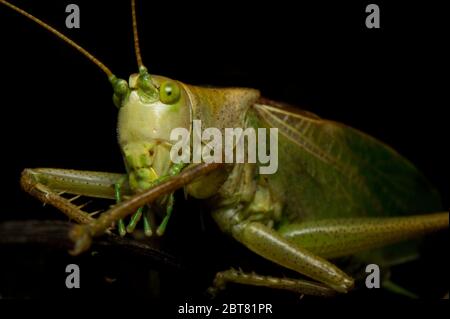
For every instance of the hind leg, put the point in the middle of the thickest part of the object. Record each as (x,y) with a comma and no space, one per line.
(334,238)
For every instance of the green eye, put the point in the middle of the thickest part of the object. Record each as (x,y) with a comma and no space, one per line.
(169,92)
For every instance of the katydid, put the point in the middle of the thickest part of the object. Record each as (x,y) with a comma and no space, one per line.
(337,191)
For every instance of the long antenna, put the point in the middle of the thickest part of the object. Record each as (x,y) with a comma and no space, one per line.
(62,37)
(137,49)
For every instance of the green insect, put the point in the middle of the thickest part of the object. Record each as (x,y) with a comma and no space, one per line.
(337,192)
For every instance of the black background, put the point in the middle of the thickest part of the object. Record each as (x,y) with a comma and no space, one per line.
(57,111)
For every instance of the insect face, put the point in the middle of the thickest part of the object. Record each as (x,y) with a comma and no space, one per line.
(150,108)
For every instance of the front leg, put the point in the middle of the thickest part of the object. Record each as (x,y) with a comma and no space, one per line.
(82,234)
(47,185)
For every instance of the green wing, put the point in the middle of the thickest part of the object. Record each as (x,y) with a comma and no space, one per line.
(329,170)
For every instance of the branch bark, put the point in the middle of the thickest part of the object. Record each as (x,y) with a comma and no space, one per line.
(53,234)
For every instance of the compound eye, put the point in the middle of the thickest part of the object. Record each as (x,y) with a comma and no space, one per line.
(169,92)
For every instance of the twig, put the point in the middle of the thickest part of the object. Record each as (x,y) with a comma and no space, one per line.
(54,234)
